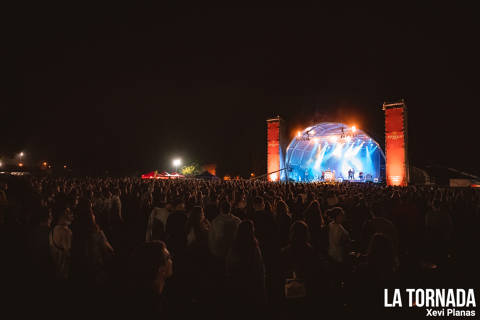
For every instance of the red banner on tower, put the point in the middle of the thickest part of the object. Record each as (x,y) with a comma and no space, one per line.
(396,144)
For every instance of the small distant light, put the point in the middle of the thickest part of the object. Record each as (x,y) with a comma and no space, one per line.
(20,164)
(65,167)
(44,164)
(21,154)
(299,134)
(354,128)
(252,174)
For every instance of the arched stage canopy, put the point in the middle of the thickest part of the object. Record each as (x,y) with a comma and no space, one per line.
(331,150)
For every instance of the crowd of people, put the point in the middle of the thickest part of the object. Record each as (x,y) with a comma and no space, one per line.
(126,246)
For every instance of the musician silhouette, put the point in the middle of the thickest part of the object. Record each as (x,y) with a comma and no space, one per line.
(350,174)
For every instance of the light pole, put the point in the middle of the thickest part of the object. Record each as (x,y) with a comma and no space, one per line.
(176,164)
(21,154)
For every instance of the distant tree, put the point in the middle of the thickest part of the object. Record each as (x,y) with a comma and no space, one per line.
(191,169)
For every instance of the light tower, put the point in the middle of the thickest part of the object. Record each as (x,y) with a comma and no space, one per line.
(275,148)
(396,143)
(176,164)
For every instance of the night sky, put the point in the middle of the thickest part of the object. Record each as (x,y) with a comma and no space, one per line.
(127,88)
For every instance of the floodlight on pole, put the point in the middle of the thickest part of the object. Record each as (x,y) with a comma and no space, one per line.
(177,163)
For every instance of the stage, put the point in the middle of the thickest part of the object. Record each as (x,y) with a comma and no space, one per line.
(333,152)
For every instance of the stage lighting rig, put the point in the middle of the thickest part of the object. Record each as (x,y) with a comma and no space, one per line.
(348,135)
(306,135)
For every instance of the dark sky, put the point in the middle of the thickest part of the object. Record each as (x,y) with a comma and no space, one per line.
(127,88)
